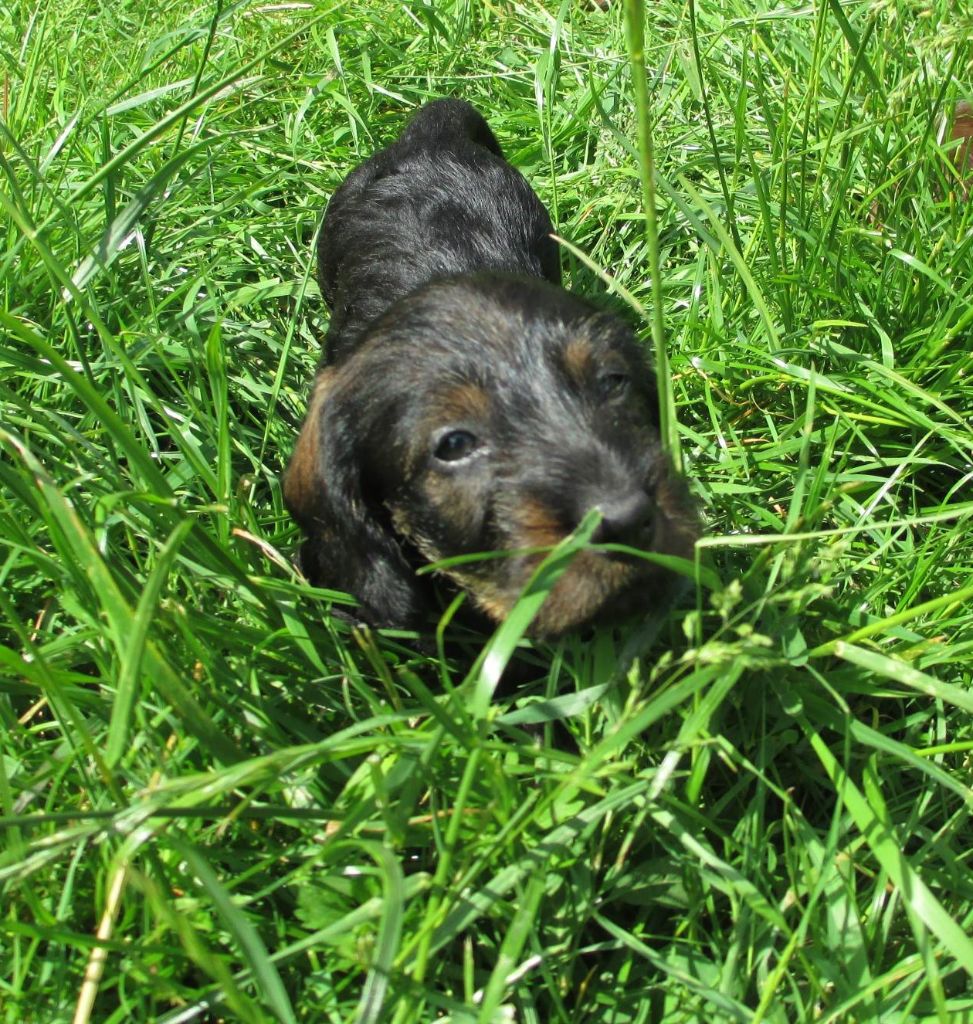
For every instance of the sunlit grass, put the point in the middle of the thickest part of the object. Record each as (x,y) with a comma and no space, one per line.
(220,801)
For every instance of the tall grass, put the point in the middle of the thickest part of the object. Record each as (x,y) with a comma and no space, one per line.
(222,802)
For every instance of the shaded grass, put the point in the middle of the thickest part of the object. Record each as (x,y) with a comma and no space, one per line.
(217,794)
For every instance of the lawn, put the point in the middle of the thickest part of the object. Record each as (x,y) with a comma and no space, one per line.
(220,801)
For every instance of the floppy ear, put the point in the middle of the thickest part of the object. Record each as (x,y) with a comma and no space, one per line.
(350,543)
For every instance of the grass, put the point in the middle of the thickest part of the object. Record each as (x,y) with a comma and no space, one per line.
(220,802)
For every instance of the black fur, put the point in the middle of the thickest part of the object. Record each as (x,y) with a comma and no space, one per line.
(440,200)
(449,329)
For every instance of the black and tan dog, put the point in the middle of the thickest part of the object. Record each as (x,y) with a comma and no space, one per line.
(467,403)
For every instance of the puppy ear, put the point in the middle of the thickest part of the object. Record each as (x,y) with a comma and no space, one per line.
(350,543)
(304,476)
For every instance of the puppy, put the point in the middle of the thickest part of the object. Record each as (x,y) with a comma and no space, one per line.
(467,403)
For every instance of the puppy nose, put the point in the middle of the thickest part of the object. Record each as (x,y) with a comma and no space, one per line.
(623,517)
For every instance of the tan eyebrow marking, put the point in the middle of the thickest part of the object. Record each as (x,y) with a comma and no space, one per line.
(578,359)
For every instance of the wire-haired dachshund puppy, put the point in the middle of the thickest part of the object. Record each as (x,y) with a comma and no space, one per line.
(467,403)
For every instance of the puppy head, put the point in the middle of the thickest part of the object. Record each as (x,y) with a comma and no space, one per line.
(487,413)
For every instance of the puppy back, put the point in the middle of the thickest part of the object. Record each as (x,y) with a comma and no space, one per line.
(448,122)
(440,200)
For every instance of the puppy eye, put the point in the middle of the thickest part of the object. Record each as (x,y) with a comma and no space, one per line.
(613,384)
(455,445)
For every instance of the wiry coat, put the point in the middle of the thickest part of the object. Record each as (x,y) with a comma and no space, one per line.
(466,403)
(440,200)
